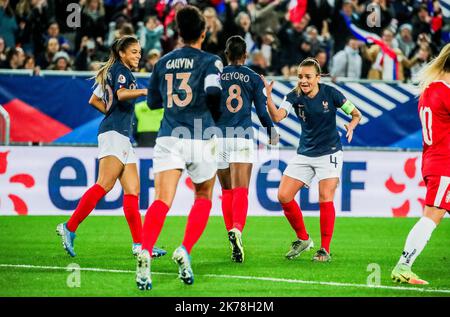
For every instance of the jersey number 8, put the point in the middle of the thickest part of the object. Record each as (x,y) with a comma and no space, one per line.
(173,98)
(234,92)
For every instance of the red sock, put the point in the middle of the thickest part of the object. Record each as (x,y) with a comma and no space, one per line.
(327,216)
(131,210)
(227,211)
(85,206)
(294,216)
(240,207)
(153,223)
(196,224)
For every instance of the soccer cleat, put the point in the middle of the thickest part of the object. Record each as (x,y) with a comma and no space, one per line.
(143,278)
(322,256)
(402,274)
(183,259)
(157,252)
(298,247)
(136,248)
(235,237)
(67,238)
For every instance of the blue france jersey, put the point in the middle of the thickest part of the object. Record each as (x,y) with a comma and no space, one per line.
(178,83)
(318,120)
(241,87)
(119,114)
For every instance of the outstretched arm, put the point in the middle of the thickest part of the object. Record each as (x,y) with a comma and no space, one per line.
(124,94)
(277,114)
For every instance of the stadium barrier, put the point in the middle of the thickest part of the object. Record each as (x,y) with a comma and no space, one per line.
(5,126)
(54,107)
(44,180)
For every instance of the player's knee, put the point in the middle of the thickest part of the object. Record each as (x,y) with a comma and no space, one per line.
(203,195)
(106,185)
(284,198)
(325,197)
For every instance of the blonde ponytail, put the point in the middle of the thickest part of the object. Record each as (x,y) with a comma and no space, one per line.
(102,73)
(435,68)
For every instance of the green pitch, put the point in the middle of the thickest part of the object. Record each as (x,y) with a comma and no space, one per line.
(104,244)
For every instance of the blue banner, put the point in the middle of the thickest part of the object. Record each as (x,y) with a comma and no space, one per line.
(56,108)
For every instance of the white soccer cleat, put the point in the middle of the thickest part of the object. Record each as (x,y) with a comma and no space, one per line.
(143,277)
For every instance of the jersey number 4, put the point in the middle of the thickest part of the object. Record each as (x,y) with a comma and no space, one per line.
(173,98)
(426,119)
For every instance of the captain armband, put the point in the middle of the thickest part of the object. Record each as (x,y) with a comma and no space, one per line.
(348,107)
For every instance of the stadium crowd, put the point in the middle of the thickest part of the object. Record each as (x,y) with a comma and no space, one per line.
(34,34)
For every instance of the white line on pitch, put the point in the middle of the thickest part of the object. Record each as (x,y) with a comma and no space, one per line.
(255,278)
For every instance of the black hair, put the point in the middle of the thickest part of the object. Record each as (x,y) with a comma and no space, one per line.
(235,48)
(191,23)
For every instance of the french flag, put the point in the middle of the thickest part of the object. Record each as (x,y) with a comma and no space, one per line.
(388,62)
(297,9)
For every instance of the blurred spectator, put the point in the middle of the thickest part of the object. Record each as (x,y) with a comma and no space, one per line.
(8,24)
(30,63)
(403,11)
(15,58)
(142,9)
(319,11)
(53,31)
(322,58)
(90,51)
(291,38)
(317,41)
(347,63)
(119,29)
(258,63)
(2,50)
(418,61)
(152,58)
(382,63)
(61,61)
(36,23)
(214,42)
(265,14)
(269,48)
(243,23)
(45,59)
(421,22)
(93,23)
(338,27)
(150,35)
(405,40)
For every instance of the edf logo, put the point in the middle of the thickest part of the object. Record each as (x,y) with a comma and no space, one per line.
(56,182)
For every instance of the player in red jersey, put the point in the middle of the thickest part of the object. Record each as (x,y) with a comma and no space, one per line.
(434,112)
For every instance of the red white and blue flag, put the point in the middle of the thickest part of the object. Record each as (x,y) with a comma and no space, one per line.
(387,62)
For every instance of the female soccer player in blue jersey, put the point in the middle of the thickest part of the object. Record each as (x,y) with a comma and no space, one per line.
(241,87)
(319,152)
(186,82)
(115,94)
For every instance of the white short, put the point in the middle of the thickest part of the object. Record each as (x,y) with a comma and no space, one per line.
(234,150)
(196,156)
(304,168)
(115,144)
